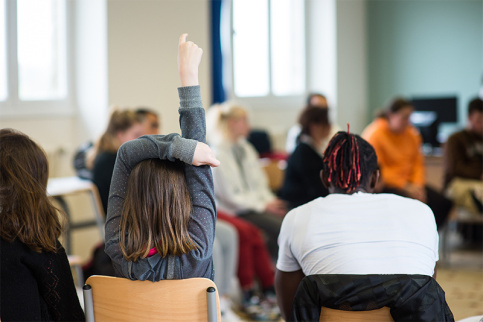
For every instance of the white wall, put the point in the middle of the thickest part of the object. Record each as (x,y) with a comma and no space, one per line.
(351,65)
(91,68)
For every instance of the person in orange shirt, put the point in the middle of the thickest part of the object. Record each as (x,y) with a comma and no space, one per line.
(398,147)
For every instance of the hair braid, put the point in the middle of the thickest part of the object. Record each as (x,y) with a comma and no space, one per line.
(348,161)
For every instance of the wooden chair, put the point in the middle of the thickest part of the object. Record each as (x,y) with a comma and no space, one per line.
(380,315)
(120,299)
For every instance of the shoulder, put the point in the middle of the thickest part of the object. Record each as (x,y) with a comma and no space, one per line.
(373,130)
(408,208)
(413,132)
(104,158)
(456,138)
(302,148)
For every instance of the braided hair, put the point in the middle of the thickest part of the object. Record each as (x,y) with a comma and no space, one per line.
(349,161)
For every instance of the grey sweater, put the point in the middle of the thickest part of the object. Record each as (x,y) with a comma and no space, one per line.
(201,227)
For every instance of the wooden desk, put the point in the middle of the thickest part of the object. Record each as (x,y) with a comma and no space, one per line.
(59,188)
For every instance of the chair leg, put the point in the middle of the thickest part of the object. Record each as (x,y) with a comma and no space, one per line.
(212,309)
(88,304)
(444,242)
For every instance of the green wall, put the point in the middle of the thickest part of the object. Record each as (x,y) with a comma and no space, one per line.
(424,48)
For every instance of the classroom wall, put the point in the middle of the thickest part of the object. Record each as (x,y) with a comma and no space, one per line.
(142,49)
(351,75)
(424,48)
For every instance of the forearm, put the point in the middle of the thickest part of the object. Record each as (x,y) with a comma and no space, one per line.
(199,179)
(286,284)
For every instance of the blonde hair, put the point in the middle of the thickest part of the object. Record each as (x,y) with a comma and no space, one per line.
(119,121)
(217,120)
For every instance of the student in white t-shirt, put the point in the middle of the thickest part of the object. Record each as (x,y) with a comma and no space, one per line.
(352,230)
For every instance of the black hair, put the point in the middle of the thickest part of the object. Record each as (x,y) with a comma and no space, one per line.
(313,115)
(349,161)
(475,105)
(394,106)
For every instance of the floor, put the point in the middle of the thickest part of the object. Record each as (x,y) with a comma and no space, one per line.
(462,279)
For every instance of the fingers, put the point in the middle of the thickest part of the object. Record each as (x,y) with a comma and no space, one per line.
(182,38)
(215,162)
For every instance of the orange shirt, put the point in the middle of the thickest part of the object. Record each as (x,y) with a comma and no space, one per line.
(398,154)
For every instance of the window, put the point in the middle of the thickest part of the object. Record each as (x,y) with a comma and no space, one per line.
(268,47)
(33,54)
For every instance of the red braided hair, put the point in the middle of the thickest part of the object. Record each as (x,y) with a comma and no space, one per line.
(343,161)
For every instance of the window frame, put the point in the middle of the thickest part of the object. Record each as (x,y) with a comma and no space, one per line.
(13,106)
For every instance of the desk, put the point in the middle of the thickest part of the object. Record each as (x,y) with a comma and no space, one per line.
(58,188)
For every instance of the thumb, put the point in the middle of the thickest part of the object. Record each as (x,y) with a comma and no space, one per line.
(214,162)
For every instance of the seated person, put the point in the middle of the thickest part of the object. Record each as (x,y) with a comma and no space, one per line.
(241,186)
(401,161)
(352,230)
(35,276)
(301,182)
(123,126)
(463,162)
(314,99)
(161,215)
(148,119)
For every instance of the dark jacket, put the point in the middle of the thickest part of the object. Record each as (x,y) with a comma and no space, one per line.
(410,297)
(302,182)
(36,286)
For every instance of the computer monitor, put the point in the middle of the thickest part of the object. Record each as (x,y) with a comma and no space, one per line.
(429,113)
(445,107)
(427,122)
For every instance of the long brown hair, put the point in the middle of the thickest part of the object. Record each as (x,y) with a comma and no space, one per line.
(156,211)
(26,212)
(119,121)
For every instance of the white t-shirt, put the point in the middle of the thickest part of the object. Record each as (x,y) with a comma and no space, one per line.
(361,233)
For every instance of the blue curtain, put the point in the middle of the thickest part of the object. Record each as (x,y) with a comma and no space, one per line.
(218,93)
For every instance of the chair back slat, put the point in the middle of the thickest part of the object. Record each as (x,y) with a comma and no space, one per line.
(120,299)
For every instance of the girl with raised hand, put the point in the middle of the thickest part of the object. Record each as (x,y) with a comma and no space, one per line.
(36,280)
(161,213)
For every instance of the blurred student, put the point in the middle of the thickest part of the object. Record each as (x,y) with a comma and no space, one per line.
(241,186)
(463,161)
(352,230)
(314,99)
(161,215)
(255,269)
(149,119)
(301,181)
(123,126)
(36,279)
(398,145)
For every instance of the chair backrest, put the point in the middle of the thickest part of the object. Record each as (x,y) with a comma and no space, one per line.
(380,315)
(121,299)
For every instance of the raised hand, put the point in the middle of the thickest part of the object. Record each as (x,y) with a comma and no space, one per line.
(189,58)
(204,155)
